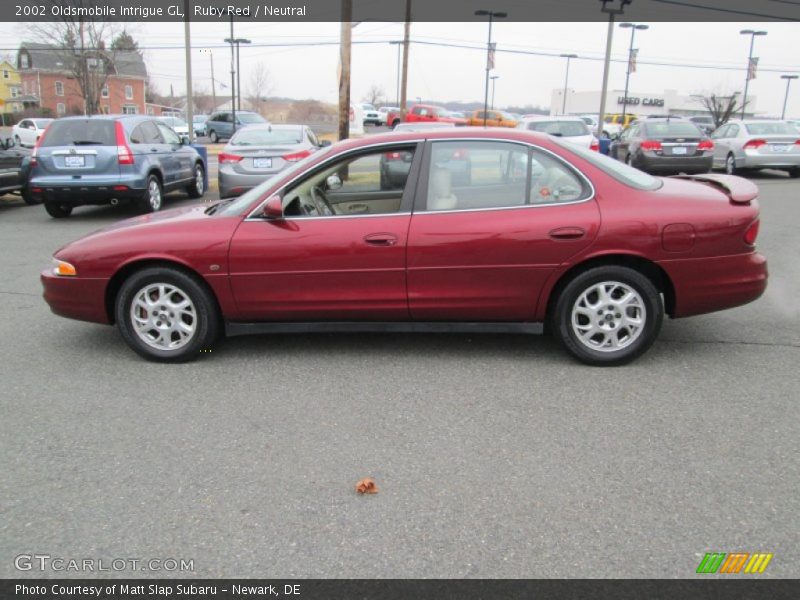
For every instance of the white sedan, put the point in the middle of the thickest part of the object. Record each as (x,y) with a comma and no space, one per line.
(570,129)
(28,131)
(178,125)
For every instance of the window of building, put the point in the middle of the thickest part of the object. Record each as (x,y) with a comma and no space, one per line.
(15,92)
(6,74)
(61,109)
(130,109)
(24,61)
(128,92)
(104,91)
(59,88)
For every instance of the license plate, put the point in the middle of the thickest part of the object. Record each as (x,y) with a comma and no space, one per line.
(74,161)
(780,147)
(679,150)
(262,163)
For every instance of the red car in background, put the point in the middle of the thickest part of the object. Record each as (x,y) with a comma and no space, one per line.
(425,113)
(542,231)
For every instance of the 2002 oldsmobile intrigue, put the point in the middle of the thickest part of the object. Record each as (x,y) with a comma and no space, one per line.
(476,229)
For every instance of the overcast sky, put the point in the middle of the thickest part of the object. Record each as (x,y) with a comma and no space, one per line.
(457,74)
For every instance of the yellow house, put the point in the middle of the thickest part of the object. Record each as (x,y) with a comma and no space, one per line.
(10,88)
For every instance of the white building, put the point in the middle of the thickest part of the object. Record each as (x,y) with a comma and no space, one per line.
(668,102)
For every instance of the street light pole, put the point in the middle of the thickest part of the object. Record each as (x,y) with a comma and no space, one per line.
(788,79)
(238,41)
(494,79)
(566,82)
(752,35)
(633,27)
(611,11)
(233,78)
(492,15)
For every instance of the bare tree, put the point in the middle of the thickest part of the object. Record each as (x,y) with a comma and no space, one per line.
(375,95)
(720,106)
(261,85)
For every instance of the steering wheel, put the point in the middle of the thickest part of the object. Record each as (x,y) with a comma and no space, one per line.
(323,206)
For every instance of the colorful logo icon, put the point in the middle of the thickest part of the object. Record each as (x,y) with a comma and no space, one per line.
(732,563)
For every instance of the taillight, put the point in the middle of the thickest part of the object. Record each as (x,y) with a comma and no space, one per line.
(295,156)
(752,233)
(225,158)
(797,142)
(705,145)
(35,153)
(653,145)
(595,145)
(124,154)
(753,144)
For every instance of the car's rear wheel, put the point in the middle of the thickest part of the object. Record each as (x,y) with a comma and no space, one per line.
(27,196)
(608,315)
(166,315)
(794,173)
(153,196)
(212,135)
(198,187)
(58,210)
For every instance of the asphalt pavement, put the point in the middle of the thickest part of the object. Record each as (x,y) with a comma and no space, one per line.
(495,455)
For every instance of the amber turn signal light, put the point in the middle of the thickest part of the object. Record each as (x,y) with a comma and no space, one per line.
(63,269)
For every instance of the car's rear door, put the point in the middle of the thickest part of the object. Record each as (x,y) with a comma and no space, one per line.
(482,249)
(312,265)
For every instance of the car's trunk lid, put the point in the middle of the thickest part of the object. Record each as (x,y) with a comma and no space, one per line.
(738,189)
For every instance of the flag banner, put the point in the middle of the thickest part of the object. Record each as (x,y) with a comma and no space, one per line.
(490,56)
(752,68)
(632,60)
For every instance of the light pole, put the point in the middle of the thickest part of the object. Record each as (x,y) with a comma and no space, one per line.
(233,78)
(492,16)
(566,82)
(633,27)
(752,33)
(238,41)
(788,79)
(213,81)
(611,8)
(494,79)
(399,45)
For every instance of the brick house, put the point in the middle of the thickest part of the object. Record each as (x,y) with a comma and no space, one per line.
(46,76)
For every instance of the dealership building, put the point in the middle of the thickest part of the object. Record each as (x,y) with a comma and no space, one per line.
(668,102)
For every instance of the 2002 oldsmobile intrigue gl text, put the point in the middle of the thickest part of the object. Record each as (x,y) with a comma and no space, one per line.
(475,229)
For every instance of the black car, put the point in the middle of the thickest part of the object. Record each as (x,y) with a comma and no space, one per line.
(15,170)
(664,146)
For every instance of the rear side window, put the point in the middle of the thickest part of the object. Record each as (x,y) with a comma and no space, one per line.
(560,128)
(672,129)
(81,132)
(614,168)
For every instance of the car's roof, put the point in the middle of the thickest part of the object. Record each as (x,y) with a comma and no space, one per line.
(456,133)
(552,118)
(271,126)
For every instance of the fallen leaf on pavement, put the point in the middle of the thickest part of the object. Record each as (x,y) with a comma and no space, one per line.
(367,486)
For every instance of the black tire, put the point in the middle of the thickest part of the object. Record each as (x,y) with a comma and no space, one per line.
(27,197)
(17,141)
(204,317)
(395,123)
(198,187)
(58,211)
(794,173)
(634,342)
(153,196)
(212,135)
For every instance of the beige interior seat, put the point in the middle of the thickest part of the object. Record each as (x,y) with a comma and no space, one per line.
(440,196)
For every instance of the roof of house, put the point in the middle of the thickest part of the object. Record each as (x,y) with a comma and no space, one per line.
(51,57)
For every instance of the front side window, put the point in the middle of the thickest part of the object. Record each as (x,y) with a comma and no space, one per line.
(361,184)
(170,137)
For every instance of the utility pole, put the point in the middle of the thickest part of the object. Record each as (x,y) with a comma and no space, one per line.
(189,96)
(213,81)
(406,36)
(233,80)
(346,39)
(611,11)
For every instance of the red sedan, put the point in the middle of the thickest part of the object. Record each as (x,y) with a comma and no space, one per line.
(537,232)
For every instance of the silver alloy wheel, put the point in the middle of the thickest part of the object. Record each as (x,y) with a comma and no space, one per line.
(163,316)
(608,316)
(198,180)
(730,164)
(154,192)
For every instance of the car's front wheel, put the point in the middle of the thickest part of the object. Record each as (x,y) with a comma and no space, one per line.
(166,315)
(198,186)
(608,315)
(57,210)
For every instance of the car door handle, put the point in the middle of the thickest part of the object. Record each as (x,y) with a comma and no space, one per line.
(567,233)
(153,149)
(380,239)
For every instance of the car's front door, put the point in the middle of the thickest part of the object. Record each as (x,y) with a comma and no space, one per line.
(339,252)
(482,248)
(176,167)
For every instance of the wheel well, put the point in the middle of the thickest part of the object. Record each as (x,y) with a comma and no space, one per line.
(157,173)
(649,269)
(115,284)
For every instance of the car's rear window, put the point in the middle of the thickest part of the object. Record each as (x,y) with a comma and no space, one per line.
(770,128)
(80,132)
(560,128)
(671,129)
(267,137)
(250,118)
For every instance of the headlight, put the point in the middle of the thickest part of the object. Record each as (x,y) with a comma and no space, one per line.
(63,268)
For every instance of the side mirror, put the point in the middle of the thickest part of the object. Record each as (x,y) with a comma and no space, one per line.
(333,182)
(324,143)
(184,140)
(273,209)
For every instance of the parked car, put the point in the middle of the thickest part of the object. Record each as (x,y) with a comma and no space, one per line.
(28,131)
(220,124)
(427,113)
(406,127)
(15,170)
(703,122)
(371,114)
(614,124)
(258,152)
(384,111)
(178,125)
(104,159)
(664,146)
(545,231)
(571,129)
(592,122)
(750,145)
(494,118)
(199,122)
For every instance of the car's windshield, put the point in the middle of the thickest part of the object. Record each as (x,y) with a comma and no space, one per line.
(42,123)
(250,118)
(769,128)
(244,201)
(560,128)
(616,169)
(267,136)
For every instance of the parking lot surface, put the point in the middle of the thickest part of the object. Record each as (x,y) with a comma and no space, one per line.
(494,455)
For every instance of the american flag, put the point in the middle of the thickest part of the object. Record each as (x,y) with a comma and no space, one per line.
(490,56)
(752,67)
(632,60)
